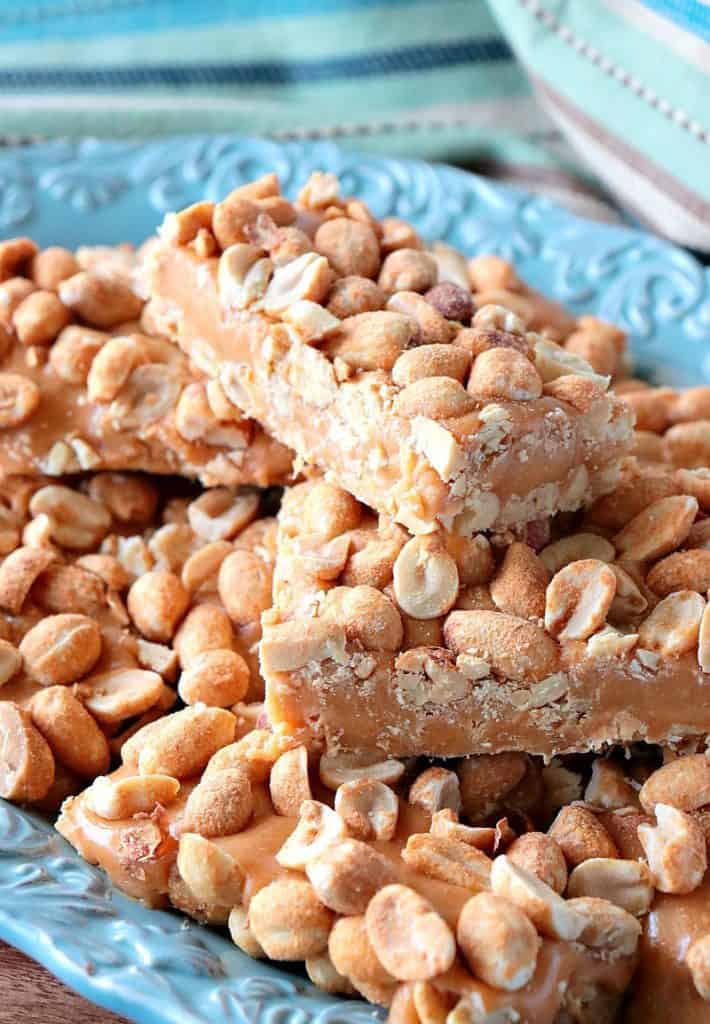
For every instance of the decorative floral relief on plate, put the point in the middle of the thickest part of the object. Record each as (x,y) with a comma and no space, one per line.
(157,967)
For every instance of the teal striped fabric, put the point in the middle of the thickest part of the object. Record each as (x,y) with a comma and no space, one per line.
(551,93)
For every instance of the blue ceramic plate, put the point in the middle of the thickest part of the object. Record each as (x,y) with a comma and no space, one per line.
(155,967)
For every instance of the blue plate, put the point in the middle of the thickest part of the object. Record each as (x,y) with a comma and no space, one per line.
(156,967)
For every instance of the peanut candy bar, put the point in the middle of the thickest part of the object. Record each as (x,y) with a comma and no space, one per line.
(412,891)
(444,645)
(87,382)
(114,601)
(399,371)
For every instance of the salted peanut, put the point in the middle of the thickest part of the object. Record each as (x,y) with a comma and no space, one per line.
(243,275)
(473,557)
(218,678)
(435,789)
(352,248)
(450,299)
(322,972)
(106,568)
(241,934)
(426,579)
(683,570)
(366,615)
(683,783)
(553,361)
(608,786)
(408,270)
(12,293)
(398,234)
(498,941)
(437,398)
(26,762)
(19,397)
(289,785)
(18,573)
(311,321)
(117,799)
(347,874)
(575,548)
(202,567)
(112,365)
(15,255)
(578,599)
(673,627)
(486,779)
(318,827)
(626,883)
(431,360)
(288,920)
(704,641)
(631,497)
(352,295)
(157,658)
(156,603)
(39,318)
(185,741)
(545,908)
(503,373)
(372,341)
(541,856)
(210,873)
(120,693)
(657,530)
(448,860)
(410,939)
(306,277)
(220,805)
(320,191)
(244,585)
(688,444)
(258,750)
(518,649)
(329,511)
(352,954)
(652,407)
(219,513)
(445,824)
(101,301)
(10,661)
(182,227)
(580,835)
(335,769)
(77,522)
(61,649)
(69,588)
(698,960)
(372,565)
(71,732)
(628,601)
(608,928)
(675,850)
(519,585)
(206,627)
(597,349)
(369,808)
(492,272)
(434,329)
(232,217)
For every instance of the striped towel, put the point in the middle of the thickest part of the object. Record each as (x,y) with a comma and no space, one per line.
(554,95)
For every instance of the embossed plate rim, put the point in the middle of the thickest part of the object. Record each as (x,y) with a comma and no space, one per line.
(69,192)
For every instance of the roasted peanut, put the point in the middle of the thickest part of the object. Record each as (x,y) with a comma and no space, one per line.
(26,761)
(541,856)
(156,603)
(498,941)
(185,741)
(698,960)
(626,883)
(337,769)
(242,935)
(210,873)
(352,248)
(366,615)
(369,808)
(434,790)
(102,302)
(289,921)
(220,805)
(580,835)
(318,827)
(410,270)
(426,579)
(71,732)
(244,585)
(117,799)
(352,954)
(545,908)
(675,850)
(19,397)
(61,649)
(448,860)
(372,341)
(289,785)
(206,627)
(608,928)
(218,678)
(346,875)
(433,328)
(683,783)
(77,522)
(410,939)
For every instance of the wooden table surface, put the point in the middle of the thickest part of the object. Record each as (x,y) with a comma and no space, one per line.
(28,993)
